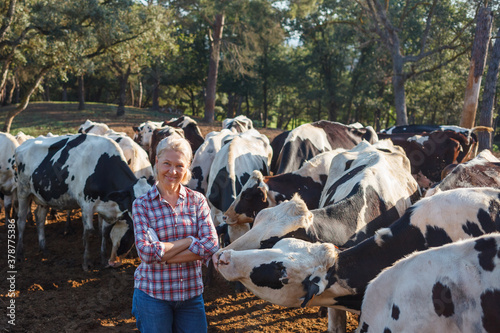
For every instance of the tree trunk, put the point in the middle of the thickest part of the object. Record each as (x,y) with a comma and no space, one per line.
(490,86)
(65,92)
(123,79)
(156,95)
(398,85)
(8,101)
(132,96)
(81,93)
(139,99)
(25,101)
(478,59)
(213,68)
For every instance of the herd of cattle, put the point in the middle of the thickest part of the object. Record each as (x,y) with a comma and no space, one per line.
(326,214)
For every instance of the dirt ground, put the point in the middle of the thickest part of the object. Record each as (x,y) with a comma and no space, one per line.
(54,294)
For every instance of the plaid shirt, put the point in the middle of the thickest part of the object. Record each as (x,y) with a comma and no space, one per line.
(190,217)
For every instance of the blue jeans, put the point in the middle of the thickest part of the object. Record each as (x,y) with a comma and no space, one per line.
(154,315)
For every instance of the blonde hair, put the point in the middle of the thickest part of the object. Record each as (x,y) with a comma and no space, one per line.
(180,145)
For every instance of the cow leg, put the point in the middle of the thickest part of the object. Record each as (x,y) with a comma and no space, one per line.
(105,230)
(7,205)
(41,216)
(88,230)
(21,225)
(337,320)
(68,229)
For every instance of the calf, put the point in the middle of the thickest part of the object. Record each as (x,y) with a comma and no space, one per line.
(482,171)
(192,132)
(239,124)
(309,140)
(232,167)
(8,145)
(453,288)
(262,191)
(339,279)
(204,157)
(78,171)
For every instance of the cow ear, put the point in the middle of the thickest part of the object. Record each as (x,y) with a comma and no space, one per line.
(136,129)
(264,193)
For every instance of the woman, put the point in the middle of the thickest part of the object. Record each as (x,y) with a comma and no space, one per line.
(174,233)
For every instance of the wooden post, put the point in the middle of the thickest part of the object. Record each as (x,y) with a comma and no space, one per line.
(478,59)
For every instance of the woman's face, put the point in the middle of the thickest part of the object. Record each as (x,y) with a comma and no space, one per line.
(172,166)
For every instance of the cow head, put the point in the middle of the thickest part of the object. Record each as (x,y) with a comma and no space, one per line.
(283,275)
(144,132)
(122,231)
(252,199)
(288,219)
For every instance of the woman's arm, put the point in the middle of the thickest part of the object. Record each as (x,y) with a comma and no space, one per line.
(184,256)
(173,249)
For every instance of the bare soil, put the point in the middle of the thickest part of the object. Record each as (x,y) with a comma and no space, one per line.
(54,294)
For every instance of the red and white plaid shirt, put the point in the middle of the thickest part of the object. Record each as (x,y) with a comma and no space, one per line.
(190,217)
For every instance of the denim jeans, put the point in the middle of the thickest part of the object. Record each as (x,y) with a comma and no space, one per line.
(154,315)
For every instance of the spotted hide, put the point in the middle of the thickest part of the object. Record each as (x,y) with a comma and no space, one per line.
(341,282)
(90,126)
(309,140)
(239,124)
(204,157)
(481,171)
(262,191)
(144,132)
(192,132)
(8,145)
(232,167)
(452,288)
(373,189)
(78,171)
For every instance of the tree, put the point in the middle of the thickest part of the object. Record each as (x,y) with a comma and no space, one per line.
(433,48)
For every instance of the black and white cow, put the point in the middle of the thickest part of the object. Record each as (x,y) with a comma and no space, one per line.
(91,127)
(452,288)
(21,137)
(338,279)
(239,124)
(233,165)
(160,134)
(78,171)
(192,132)
(8,145)
(204,157)
(481,171)
(262,191)
(309,140)
(367,188)
(144,132)
(277,144)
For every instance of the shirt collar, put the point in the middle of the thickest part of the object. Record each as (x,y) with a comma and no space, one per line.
(154,193)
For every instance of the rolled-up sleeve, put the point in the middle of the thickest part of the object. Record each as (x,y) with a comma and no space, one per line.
(207,242)
(149,250)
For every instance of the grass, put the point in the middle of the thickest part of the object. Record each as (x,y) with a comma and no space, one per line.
(64,117)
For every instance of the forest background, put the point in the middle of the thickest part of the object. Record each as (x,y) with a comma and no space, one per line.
(281,63)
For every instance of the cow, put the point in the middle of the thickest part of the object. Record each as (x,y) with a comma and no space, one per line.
(237,125)
(339,279)
(92,127)
(160,134)
(309,140)
(21,137)
(78,171)
(368,187)
(137,159)
(233,165)
(425,128)
(430,153)
(8,145)
(277,144)
(204,157)
(481,171)
(262,191)
(192,132)
(452,288)
(143,133)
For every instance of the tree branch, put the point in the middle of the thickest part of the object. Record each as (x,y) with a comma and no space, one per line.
(8,19)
